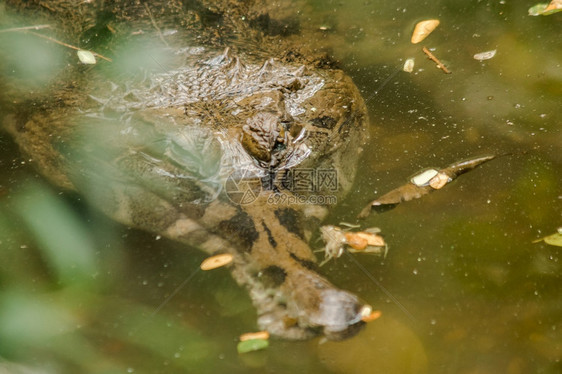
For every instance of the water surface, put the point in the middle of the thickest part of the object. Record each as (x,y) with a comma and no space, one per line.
(471,292)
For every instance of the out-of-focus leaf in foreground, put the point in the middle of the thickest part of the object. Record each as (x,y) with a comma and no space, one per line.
(64,241)
(58,307)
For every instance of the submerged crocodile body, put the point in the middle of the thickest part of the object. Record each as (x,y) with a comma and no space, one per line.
(210,144)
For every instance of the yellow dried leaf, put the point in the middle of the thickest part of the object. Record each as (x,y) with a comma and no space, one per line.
(423,29)
(217,261)
(262,335)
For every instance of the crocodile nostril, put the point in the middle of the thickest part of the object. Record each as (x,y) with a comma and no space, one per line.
(340,314)
(365,311)
(316,304)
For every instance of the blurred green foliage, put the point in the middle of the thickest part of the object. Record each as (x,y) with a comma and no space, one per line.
(54,310)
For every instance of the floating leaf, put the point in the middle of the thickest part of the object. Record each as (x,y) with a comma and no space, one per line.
(485,55)
(423,183)
(367,241)
(423,29)
(544,9)
(554,239)
(217,261)
(554,5)
(86,57)
(252,345)
(537,9)
(263,335)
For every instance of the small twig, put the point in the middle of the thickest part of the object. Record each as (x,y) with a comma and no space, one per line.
(155,25)
(64,44)
(37,27)
(52,40)
(436,60)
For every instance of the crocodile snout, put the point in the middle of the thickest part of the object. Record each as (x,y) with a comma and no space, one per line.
(307,305)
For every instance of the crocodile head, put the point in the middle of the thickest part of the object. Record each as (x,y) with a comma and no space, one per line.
(158,151)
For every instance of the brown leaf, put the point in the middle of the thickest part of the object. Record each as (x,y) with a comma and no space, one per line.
(411,191)
(389,200)
(461,167)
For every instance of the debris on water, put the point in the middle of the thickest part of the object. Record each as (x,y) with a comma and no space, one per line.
(432,57)
(34,27)
(216,261)
(86,57)
(409,65)
(485,55)
(423,29)
(554,239)
(252,345)
(423,178)
(362,241)
(264,335)
(350,225)
(336,239)
(356,242)
(335,242)
(544,9)
(423,183)
(439,181)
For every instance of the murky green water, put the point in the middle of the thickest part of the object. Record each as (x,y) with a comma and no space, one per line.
(479,296)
